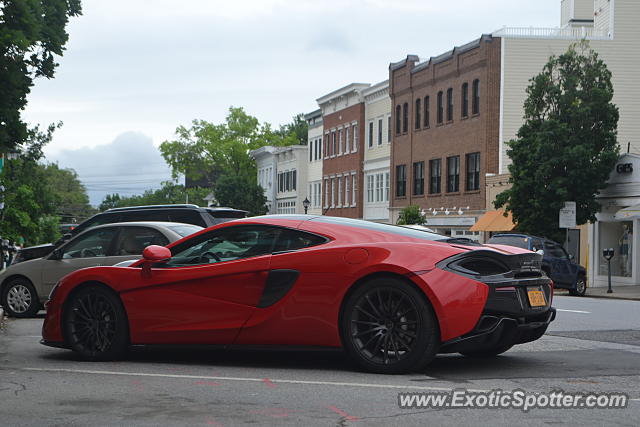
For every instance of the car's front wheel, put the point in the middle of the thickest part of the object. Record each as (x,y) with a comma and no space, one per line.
(388,327)
(581,287)
(19,298)
(95,324)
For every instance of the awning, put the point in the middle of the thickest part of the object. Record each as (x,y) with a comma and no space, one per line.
(494,221)
(627,214)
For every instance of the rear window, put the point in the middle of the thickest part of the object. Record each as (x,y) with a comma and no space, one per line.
(187,216)
(184,230)
(517,241)
(385,228)
(231,213)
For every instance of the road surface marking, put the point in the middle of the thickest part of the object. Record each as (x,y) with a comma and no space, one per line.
(275,381)
(573,311)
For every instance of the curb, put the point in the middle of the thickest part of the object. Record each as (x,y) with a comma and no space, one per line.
(601,296)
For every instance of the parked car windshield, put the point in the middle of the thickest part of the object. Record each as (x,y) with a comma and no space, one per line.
(517,241)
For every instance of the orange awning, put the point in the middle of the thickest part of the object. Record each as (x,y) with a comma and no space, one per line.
(494,221)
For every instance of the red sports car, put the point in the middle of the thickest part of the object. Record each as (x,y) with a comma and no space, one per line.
(392,297)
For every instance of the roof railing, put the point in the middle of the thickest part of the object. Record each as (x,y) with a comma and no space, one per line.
(567,33)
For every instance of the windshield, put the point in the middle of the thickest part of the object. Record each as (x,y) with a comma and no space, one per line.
(184,230)
(517,241)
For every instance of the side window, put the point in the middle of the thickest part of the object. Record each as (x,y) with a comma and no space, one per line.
(292,240)
(145,215)
(554,250)
(225,244)
(187,217)
(96,220)
(94,243)
(133,240)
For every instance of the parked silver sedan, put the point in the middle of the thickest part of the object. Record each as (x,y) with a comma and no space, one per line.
(25,286)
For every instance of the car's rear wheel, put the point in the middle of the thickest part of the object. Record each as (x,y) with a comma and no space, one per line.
(95,324)
(19,298)
(388,327)
(581,287)
(488,352)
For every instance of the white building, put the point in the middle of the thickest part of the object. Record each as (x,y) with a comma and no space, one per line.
(377,152)
(266,165)
(314,169)
(291,178)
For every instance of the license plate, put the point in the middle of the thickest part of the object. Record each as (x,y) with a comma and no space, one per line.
(536,297)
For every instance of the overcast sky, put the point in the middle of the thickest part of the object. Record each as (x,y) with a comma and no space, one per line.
(134,70)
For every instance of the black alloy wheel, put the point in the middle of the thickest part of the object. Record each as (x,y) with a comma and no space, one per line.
(389,327)
(581,287)
(19,298)
(95,324)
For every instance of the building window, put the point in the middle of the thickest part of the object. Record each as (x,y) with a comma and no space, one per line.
(370,136)
(418,114)
(294,180)
(379,187)
(434,176)
(326,193)
(354,181)
(346,191)
(346,140)
(386,186)
(379,131)
(326,146)
(369,188)
(449,104)
(426,111)
(312,145)
(398,120)
(405,117)
(340,142)
(333,192)
(475,105)
(418,178)
(401,181)
(453,174)
(334,144)
(440,108)
(473,171)
(389,129)
(339,191)
(465,99)
(355,137)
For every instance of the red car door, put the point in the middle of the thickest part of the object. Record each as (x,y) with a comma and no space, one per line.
(206,292)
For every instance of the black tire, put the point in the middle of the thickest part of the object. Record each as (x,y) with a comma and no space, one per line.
(488,352)
(580,288)
(20,299)
(388,327)
(95,324)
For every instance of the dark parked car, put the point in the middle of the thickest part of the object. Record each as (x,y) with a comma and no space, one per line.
(187,214)
(556,262)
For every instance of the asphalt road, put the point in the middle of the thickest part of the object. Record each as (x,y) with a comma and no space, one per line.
(593,346)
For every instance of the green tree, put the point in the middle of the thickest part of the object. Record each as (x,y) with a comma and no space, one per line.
(411,215)
(32,33)
(69,196)
(169,193)
(298,128)
(567,146)
(209,151)
(251,198)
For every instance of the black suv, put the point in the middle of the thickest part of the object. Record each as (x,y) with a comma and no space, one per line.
(188,214)
(556,262)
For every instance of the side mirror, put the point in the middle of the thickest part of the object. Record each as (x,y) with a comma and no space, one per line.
(571,257)
(540,252)
(153,254)
(56,254)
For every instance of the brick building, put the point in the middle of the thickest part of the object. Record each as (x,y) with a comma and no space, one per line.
(342,117)
(446,120)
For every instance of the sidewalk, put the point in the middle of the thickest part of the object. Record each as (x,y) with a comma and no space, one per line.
(619,292)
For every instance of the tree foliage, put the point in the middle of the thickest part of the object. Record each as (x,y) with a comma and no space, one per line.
(219,154)
(37,196)
(32,33)
(169,193)
(299,128)
(567,146)
(241,192)
(411,215)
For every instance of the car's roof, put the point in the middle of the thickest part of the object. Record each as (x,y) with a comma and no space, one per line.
(522,235)
(178,206)
(153,224)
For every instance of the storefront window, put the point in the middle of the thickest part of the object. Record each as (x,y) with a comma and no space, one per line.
(619,236)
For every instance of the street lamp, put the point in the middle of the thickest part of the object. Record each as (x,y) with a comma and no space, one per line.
(306,203)
(608,254)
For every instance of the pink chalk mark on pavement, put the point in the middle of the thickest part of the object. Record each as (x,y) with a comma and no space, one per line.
(268,383)
(342,413)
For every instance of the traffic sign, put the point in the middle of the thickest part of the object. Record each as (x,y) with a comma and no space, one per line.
(567,215)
